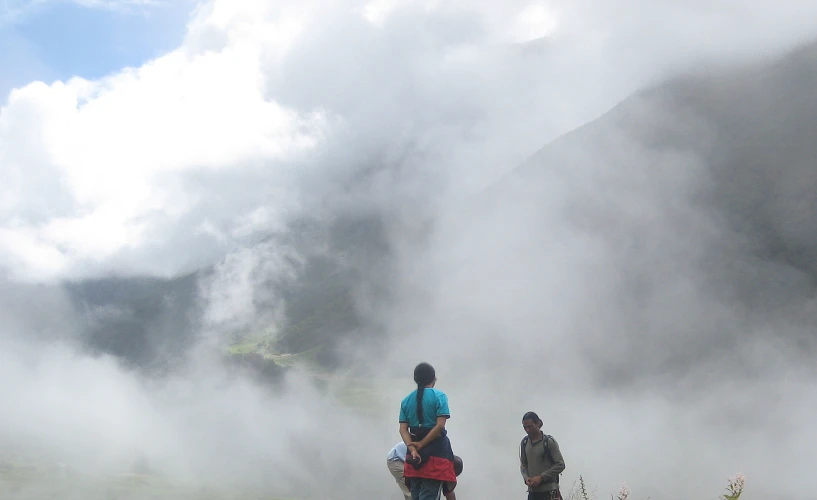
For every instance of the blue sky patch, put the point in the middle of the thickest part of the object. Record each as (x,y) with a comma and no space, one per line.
(60,40)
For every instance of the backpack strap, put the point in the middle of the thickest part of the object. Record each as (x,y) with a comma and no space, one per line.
(546,449)
(546,446)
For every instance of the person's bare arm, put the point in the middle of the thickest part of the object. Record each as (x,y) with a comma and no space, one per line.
(448,488)
(411,448)
(404,433)
(434,433)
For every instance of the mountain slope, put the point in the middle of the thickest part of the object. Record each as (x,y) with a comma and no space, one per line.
(152,322)
(699,197)
(700,193)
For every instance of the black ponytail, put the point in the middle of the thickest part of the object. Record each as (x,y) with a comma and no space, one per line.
(424,375)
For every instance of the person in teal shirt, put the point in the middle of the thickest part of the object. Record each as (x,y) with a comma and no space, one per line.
(435,405)
(423,414)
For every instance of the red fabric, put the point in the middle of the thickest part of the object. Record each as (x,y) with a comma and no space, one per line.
(438,468)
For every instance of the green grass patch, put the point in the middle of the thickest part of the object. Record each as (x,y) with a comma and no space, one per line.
(307,359)
(245,348)
(28,484)
(257,343)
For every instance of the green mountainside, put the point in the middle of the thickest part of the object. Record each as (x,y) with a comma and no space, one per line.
(750,127)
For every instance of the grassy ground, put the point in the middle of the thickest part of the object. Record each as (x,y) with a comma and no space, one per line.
(31,483)
(355,393)
(264,344)
(29,476)
(261,343)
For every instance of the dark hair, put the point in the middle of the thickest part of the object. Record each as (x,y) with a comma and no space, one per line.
(424,374)
(457,465)
(531,416)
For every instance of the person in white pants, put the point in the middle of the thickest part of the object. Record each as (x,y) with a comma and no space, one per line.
(395,461)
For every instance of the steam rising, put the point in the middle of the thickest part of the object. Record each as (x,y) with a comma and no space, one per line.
(643,282)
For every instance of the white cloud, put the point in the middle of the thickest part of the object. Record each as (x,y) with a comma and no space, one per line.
(265,103)
(20,250)
(377,11)
(268,107)
(110,148)
(535,21)
(96,166)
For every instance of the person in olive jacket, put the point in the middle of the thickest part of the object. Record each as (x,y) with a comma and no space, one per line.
(540,460)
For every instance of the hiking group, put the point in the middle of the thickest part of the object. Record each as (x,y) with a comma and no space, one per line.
(424,464)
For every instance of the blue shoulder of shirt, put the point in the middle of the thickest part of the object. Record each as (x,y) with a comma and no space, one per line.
(403,408)
(442,404)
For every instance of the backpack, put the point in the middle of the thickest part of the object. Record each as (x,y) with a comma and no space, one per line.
(546,447)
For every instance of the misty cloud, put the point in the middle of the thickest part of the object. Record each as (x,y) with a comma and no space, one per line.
(258,91)
(642,282)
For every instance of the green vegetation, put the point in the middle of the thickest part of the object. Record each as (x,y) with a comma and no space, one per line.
(29,482)
(254,343)
(307,359)
(578,491)
(365,396)
(360,394)
(265,344)
(247,347)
